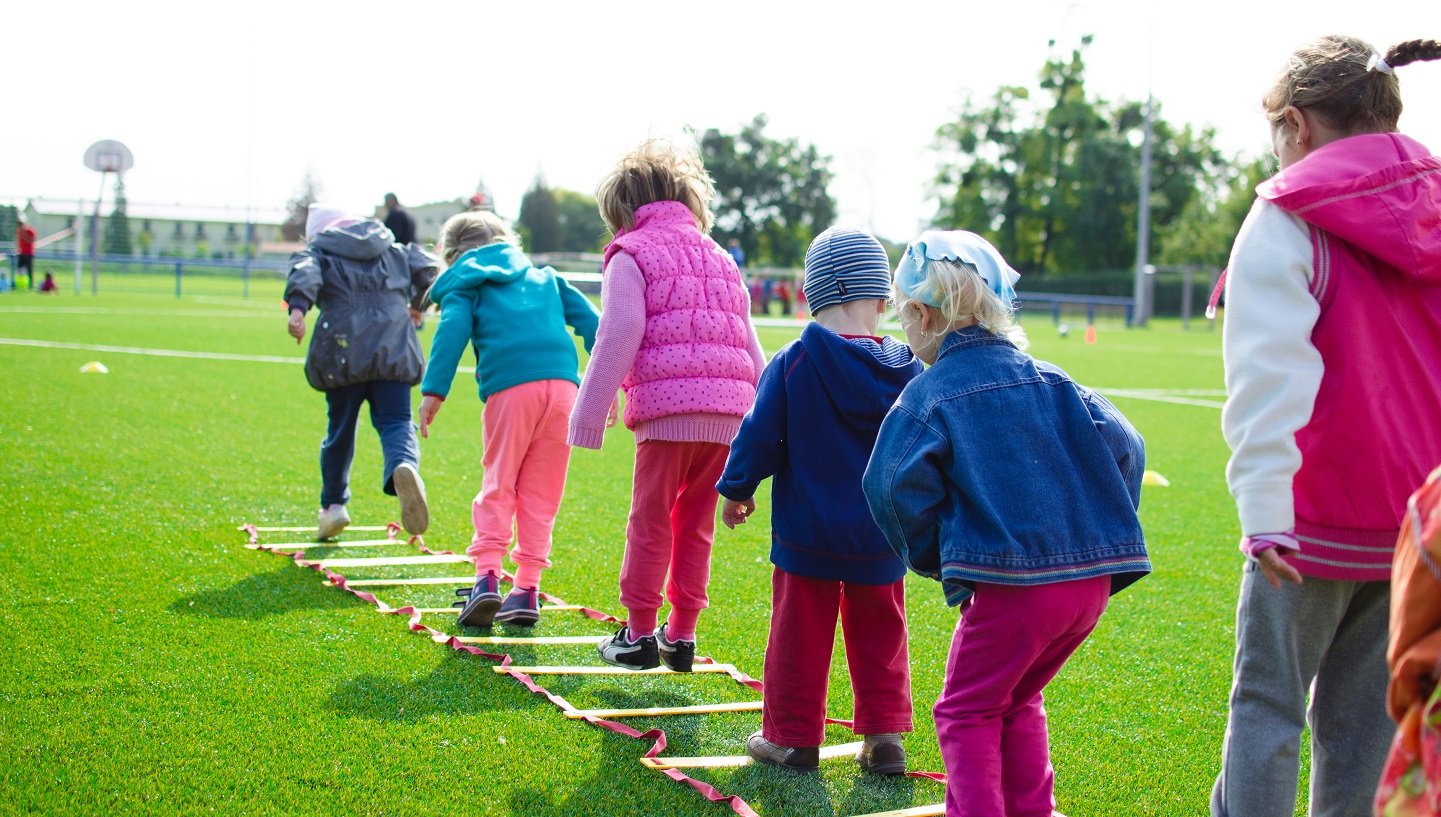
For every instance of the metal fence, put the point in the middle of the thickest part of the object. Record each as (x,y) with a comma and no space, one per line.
(135,274)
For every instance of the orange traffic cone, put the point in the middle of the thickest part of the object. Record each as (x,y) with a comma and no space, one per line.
(1091,333)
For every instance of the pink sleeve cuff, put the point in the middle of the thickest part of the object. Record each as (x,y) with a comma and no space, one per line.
(587,437)
(1255,545)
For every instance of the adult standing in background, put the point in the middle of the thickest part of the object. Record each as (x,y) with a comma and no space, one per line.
(25,252)
(399,220)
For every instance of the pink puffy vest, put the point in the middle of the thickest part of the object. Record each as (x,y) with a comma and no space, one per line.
(693,357)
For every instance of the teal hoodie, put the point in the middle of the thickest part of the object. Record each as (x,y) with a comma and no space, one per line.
(513,314)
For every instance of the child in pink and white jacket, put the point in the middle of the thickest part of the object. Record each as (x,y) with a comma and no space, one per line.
(675,334)
(1332,347)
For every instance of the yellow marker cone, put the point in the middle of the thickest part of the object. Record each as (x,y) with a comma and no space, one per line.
(1155,478)
(94,367)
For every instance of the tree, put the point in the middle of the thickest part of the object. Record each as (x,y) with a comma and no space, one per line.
(117,227)
(9,219)
(1206,228)
(539,222)
(771,195)
(581,227)
(1054,181)
(293,228)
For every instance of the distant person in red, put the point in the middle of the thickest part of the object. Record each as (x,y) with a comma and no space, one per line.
(25,250)
(48,286)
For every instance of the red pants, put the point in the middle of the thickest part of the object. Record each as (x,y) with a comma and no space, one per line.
(990,721)
(798,657)
(671,528)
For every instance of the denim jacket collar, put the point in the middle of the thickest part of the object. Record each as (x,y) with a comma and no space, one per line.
(970,336)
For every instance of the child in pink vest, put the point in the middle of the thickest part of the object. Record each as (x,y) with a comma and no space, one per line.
(1332,346)
(675,335)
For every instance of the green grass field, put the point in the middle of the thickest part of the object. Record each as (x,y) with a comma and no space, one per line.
(153,664)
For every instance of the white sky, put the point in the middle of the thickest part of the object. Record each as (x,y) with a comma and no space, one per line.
(230,103)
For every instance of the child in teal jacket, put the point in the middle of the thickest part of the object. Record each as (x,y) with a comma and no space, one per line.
(514,315)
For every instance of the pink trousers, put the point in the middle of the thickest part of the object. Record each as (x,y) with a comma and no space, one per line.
(668,537)
(798,657)
(525,460)
(990,720)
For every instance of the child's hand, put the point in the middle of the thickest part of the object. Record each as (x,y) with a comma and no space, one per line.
(1274,568)
(297,325)
(416,317)
(614,414)
(734,513)
(429,407)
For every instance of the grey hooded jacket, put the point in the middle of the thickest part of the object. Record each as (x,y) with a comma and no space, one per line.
(363,283)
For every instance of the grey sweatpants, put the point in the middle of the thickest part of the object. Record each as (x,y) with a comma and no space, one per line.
(1329,632)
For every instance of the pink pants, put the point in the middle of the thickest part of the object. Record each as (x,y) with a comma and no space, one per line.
(990,721)
(525,460)
(671,527)
(798,657)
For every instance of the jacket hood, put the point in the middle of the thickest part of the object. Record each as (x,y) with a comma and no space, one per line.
(493,263)
(1380,192)
(362,241)
(861,385)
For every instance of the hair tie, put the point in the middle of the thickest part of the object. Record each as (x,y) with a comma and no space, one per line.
(1379,63)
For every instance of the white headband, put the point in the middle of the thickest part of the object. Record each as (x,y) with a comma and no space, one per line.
(1379,63)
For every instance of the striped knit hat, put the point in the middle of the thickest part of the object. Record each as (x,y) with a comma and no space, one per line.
(843,265)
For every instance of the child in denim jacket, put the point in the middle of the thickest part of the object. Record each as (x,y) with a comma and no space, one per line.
(1017,488)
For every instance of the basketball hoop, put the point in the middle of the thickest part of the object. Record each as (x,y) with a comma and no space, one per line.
(109,156)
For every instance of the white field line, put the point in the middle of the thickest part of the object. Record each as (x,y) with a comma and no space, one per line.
(1160,397)
(138,350)
(1177,396)
(270,314)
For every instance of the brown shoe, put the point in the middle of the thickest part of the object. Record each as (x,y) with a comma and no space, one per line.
(882,754)
(803,759)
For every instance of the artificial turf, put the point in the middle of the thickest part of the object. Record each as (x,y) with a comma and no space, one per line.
(153,664)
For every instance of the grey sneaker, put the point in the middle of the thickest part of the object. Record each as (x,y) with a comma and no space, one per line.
(620,651)
(410,490)
(332,521)
(882,754)
(678,655)
(802,759)
(481,601)
(520,607)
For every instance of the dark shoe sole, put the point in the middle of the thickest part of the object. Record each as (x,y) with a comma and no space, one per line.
(523,618)
(479,612)
(677,663)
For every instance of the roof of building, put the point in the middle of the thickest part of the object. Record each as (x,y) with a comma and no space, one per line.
(166,212)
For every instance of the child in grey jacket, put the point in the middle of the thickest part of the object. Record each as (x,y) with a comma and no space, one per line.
(370,292)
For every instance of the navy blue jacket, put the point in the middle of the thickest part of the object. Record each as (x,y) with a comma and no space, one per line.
(996,467)
(818,408)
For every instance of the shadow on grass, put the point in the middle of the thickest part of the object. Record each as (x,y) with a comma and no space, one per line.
(266,594)
(460,684)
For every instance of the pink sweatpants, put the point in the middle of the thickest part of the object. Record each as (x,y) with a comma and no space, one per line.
(990,721)
(525,459)
(798,657)
(670,531)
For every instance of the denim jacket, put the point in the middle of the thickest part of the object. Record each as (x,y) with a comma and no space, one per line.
(995,467)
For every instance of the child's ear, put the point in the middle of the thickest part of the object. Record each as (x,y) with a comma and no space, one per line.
(928,318)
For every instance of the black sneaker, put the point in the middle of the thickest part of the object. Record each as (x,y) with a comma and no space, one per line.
(679,655)
(620,651)
(481,601)
(520,607)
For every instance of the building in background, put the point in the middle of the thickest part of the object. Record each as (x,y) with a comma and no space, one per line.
(172,230)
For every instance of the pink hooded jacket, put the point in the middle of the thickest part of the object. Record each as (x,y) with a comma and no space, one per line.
(1373,205)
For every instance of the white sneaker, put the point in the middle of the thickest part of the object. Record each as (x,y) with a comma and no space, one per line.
(410,490)
(332,521)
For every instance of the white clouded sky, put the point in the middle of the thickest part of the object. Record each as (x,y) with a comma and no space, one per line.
(231,103)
